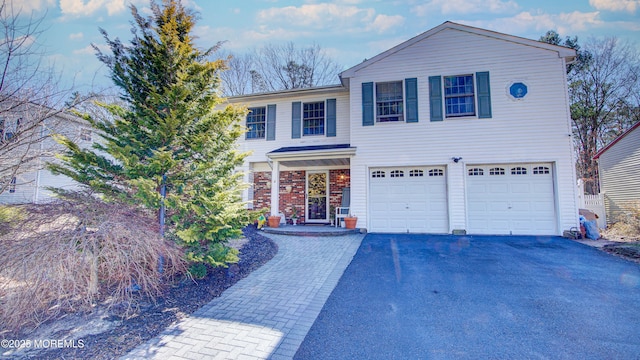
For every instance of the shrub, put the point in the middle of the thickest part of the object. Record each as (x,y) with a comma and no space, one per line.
(69,255)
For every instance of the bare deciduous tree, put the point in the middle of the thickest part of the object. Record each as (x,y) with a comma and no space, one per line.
(604,101)
(279,67)
(31,100)
(604,90)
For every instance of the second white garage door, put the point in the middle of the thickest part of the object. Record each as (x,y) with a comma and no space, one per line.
(408,199)
(513,199)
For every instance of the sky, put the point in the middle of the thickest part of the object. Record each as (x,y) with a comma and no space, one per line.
(348,30)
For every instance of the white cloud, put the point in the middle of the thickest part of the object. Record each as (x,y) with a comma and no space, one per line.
(336,18)
(319,16)
(27,6)
(90,7)
(76,36)
(87,50)
(466,7)
(383,23)
(527,22)
(616,5)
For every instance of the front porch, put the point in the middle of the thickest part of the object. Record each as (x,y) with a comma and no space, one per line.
(305,184)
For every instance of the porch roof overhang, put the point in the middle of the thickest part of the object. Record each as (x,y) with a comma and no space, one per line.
(314,155)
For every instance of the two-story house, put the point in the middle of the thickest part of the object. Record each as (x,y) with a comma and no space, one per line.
(26,145)
(458,128)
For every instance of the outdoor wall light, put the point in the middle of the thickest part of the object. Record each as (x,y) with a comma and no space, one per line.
(456,159)
(288,188)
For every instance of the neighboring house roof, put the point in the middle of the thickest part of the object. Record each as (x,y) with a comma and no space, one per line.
(615,141)
(564,52)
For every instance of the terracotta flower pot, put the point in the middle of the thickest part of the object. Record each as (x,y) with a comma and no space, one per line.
(350,222)
(274,221)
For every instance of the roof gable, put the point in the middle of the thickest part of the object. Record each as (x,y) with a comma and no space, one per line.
(563,52)
(616,140)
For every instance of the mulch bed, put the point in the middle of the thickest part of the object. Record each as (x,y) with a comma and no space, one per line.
(180,300)
(625,250)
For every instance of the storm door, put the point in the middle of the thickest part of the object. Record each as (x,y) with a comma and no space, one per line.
(317,200)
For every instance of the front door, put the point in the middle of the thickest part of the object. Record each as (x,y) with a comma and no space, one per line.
(317,189)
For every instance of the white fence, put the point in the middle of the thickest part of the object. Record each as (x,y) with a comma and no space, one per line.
(595,203)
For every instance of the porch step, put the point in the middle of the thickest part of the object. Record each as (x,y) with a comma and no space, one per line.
(310,230)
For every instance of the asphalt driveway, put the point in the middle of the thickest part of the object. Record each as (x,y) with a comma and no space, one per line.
(451,297)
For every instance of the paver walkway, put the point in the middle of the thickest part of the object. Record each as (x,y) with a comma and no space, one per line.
(268,313)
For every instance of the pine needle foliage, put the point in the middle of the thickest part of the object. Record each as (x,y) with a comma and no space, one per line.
(173,126)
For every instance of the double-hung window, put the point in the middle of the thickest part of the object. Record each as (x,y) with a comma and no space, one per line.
(313,118)
(459,96)
(256,123)
(389,102)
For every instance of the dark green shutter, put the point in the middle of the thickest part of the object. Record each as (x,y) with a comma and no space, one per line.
(435,98)
(484,95)
(271,122)
(331,117)
(367,104)
(411,91)
(296,113)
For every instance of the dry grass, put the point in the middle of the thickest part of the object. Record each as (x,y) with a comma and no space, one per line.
(627,226)
(72,254)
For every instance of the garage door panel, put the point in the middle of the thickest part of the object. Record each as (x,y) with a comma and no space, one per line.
(414,202)
(498,188)
(515,201)
(520,188)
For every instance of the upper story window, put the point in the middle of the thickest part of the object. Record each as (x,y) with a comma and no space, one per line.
(389,102)
(313,118)
(256,123)
(9,129)
(459,96)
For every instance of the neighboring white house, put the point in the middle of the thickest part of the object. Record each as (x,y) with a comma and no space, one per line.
(458,128)
(619,170)
(30,184)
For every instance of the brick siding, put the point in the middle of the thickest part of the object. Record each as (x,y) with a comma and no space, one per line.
(338,180)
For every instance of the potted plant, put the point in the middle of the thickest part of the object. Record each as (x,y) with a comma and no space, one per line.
(350,221)
(294,215)
(274,221)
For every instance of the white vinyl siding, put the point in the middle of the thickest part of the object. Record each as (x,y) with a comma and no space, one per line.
(534,129)
(259,149)
(620,174)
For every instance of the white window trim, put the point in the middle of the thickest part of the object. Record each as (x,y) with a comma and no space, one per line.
(375,102)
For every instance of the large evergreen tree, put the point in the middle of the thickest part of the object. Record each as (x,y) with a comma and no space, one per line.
(168,135)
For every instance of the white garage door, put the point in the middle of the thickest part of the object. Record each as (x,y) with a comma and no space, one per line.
(511,199)
(408,199)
